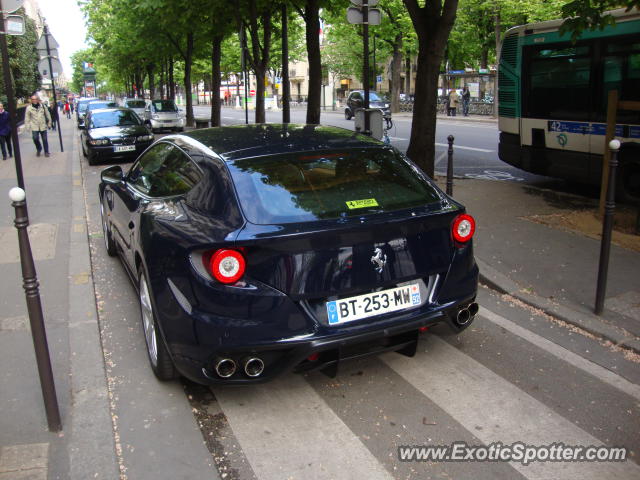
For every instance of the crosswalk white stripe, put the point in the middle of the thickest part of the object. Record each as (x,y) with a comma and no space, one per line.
(474,149)
(287,431)
(477,397)
(562,353)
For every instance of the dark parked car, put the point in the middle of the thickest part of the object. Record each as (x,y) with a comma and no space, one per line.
(262,249)
(355,101)
(114,134)
(95,105)
(81,108)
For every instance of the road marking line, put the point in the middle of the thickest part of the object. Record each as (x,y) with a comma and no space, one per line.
(474,149)
(495,410)
(440,158)
(286,430)
(562,353)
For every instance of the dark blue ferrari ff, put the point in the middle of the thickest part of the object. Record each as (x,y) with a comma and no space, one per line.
(262,249)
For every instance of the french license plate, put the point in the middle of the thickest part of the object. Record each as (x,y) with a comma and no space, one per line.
(124,148)
(370,304)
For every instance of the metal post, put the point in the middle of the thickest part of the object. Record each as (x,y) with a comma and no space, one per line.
(286,87)
(450,166)
(34,307)
(11,99)
(365,73)
(53,86)
(607,227)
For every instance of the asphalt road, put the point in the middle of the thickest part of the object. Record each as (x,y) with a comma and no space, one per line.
(475,143)
(513,376)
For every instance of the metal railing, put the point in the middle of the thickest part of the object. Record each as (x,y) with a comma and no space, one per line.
(475,108)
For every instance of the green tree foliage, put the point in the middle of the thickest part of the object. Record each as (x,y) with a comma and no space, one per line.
(23,61)
(590,14)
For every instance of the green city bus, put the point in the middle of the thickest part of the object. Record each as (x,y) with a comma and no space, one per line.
(552,100)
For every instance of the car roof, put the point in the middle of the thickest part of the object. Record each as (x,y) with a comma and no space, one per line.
(243,141)
(110,109)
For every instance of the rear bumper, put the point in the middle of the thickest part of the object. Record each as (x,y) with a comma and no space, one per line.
(197,341)
(323,353)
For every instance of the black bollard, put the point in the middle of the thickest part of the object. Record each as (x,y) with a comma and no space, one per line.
(34,307)
(607,227)
(450,166)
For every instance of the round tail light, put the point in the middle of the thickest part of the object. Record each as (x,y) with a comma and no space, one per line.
(463,228)
(227,266)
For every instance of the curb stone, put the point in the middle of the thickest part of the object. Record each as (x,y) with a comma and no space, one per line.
(585,320)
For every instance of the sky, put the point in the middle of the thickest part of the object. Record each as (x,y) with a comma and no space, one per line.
(66,24)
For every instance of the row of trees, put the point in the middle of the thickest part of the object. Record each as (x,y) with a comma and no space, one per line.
(157,42)
(23,61)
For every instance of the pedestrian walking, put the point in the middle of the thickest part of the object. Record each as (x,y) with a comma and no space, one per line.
(454,98)
(466,99)
(36,120)
(53,114)
(72,105)
(67,109)
(5,133)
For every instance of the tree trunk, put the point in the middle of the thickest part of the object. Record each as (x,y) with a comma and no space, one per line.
(216,55)
(312,21)
(432,24)
(484,57)
(498,53)
(423,129)
(152,85)
(407,74)
(396,80)
(172,85)
(260,89)
(188,61)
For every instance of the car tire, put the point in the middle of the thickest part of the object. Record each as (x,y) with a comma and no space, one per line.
(157,352)
(347,114)
(109,244)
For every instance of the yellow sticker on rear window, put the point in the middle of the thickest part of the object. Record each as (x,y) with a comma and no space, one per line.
(366,202)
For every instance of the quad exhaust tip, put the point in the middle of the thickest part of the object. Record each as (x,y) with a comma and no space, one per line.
(225,367)
(253,367)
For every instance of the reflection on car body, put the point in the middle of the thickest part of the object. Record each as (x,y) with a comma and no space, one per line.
(262,249)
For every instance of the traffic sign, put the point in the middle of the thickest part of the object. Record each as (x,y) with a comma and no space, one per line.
(10,6)
(252,93)
(14,24)
(42,43)
(43,68)
(354,15)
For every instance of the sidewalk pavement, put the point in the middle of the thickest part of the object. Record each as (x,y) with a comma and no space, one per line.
(58,236)
(550,269)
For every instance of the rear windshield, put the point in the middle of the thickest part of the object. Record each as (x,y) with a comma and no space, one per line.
(164,106)
(314,186)
(135,103)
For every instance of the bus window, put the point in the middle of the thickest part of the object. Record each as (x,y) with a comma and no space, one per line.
(621,71)
(558,81)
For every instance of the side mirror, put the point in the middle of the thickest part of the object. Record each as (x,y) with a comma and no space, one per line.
(112,174)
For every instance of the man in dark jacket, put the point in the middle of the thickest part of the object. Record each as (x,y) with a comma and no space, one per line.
(5,133)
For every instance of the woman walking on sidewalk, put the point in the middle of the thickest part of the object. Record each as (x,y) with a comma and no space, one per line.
(5,133)
(36,120)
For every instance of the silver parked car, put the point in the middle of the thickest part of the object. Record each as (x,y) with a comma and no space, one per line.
(161,114)
(135,104)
